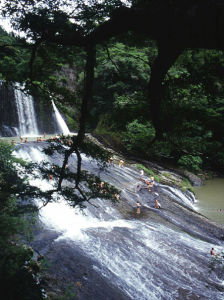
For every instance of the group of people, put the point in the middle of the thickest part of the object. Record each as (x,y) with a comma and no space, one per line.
(120,164)
(25,139)
(103,190)
(149,185)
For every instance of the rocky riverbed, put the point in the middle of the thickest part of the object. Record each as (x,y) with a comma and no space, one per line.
(108,252)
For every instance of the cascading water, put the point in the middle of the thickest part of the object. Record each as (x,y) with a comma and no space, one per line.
(162,254)
(61,123)
(26,113)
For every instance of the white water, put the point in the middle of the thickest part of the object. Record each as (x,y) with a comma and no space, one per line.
(61,123)
(180,196)
(146,259)
(26,113)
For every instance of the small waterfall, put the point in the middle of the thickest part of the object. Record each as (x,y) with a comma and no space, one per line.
(61,123)
(26,113)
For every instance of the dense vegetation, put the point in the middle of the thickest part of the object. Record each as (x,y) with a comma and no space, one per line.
(189,120)
(18,270)
(192,115)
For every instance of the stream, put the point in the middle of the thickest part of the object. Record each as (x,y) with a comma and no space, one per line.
(210,201)
(115,254)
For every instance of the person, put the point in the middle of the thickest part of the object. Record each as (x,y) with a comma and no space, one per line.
(212,252)
(111,160)
(101,184)
(38,140)
(152,181)
(12,142)
(121,163)
(21,139)
(117,196)
(39,257)
(44,135)
(157,204)
(50,176)
(138,205)
(148,183)
(141,173)
(138,187)
(26,140)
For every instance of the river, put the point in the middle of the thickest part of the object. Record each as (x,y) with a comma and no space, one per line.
(160,255)
(210,199)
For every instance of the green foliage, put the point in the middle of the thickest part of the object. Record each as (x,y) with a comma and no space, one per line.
(69,294)
(193,89)
(148,171)
(190,162)
(81,186)
(16,219)
(185,185)
(138,135)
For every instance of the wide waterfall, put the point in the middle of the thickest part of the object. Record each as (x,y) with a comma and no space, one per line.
(159,255)
(26,113)
(21,115)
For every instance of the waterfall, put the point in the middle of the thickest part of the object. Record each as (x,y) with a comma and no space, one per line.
(26,113)
(159,255)
(61,123)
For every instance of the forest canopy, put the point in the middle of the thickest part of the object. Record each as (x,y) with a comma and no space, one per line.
(162,84)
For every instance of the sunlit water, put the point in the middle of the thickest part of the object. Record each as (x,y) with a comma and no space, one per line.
(211,199)
(144,258)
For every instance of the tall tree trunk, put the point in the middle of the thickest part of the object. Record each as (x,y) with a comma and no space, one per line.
(166,57)
(87,96)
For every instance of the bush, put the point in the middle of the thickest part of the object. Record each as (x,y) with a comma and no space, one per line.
(138,135)
(190,162)
(16,219)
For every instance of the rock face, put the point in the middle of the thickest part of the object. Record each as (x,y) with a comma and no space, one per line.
(108,252)
(8,112)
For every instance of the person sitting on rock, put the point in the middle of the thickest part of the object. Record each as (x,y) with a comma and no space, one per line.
(117,196)
(138,187)
(111,160)
(141,174)
(157,204)
(21,139)
(138,206)
(121,163)
(212,252)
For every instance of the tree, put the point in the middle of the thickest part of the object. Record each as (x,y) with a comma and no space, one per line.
(188,24)
(17,215)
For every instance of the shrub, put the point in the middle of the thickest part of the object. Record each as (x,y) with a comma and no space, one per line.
(190,162)
(138,135)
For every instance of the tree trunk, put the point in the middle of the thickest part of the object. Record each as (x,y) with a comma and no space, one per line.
(166,57)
